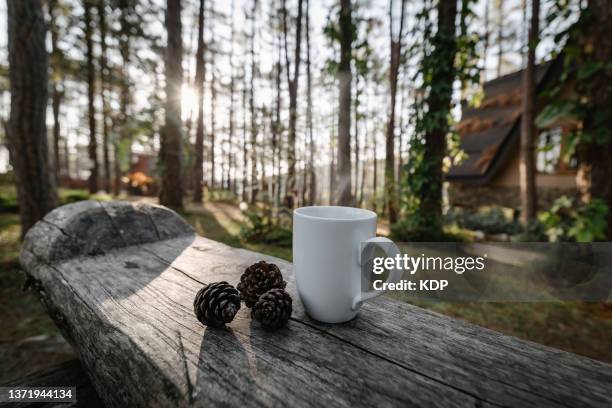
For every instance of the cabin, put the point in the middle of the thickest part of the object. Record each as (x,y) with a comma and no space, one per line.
(490,136)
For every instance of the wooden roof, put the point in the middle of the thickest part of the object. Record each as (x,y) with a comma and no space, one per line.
(490,132)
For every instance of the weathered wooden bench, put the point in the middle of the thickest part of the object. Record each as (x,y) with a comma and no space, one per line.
(119,280)
(68,374)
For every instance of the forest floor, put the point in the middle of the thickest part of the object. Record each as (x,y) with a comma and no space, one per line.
(29,340)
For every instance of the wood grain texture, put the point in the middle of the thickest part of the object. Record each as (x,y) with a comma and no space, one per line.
(68,374)
(127,308)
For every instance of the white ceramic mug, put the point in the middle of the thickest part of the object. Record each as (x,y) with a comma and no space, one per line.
(327,245)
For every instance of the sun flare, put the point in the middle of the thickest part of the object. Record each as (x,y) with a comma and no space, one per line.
(188,99)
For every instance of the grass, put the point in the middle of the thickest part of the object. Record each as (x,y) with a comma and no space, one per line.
(582,328)
(221,222)
(21,313)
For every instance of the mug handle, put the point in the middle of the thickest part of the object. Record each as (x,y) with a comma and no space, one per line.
(391,250)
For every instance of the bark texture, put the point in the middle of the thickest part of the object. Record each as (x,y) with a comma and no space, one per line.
(395,43)
(198,169)
(345,77)
(56,59)
(594,155)
(292,82)
(312,177)
(105,79)
(171,193)
(439,104)
(26,129)
(91,95)
(527,171)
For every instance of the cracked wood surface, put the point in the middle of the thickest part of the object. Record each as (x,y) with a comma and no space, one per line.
(119,280)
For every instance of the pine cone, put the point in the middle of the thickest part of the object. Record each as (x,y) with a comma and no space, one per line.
(273,309)
(258,279)
(216,304)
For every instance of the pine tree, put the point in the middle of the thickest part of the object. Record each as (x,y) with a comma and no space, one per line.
(396,53)
(312,179)
(198,170)
(91,95)
(171,193)
(439,100)
(292,81)
(56,62)
(26,129)
(344,76)
(104,90)
(527,156)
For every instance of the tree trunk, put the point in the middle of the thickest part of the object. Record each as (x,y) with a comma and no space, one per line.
(66,157)
(253,114)
(56,94)
(374,171)
(595,170)
(104,84)
(312,192)
(232,88)
(486,39)
(291,190)
(245,154)
(524,34)
(91,95)
(356,138)
(26,129)
(332,152)
(124,142)
(213,104)
(275,118)
(439,103)
(344,110)
(500,36)
(278,131)
(171,193)
(527,157)
(198,168)
(396,53)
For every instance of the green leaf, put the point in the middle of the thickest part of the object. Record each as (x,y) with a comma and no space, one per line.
(589,69)
(554,112)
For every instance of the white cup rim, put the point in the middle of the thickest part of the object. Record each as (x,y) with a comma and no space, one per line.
(343,213)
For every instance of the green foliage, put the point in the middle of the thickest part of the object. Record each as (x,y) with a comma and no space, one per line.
(570,221)
(221,195)
(73,196)
(554,112)
(261,229)
(8,202)
(410,230)
(581,74)
(492,221)
(533,233)
(420,180)
(361,28)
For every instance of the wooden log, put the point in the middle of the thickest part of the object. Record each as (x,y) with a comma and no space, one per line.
(67,374)
(119,280)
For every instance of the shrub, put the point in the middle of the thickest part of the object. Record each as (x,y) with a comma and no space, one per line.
(260,229)
(221,195)
(73,196)
(570,221)
(492,221)
(8,201)
(409,229)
